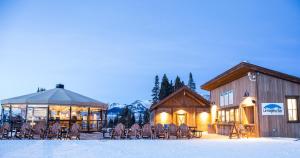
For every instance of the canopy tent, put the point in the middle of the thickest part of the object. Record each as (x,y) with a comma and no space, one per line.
(56,96)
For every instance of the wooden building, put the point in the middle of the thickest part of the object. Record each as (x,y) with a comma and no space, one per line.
(263,100)
(182,106)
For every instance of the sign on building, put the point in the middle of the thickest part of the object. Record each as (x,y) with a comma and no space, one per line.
(272,109)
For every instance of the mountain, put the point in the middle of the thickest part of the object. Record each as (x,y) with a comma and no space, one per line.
(138,107)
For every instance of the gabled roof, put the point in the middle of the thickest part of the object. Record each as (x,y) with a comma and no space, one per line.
(185,89)
(241,70)
(56,96)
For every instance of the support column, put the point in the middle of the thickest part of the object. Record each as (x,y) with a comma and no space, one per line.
(88,120)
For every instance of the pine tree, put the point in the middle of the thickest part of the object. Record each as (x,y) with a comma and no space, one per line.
(110,123)
(146,118)
(178,83)
(155,90)
(164,88)
(171,88)
(132,120)
(191,83)
(140,121)
(116,120)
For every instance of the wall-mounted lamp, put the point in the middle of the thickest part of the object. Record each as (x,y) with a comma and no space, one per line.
(246,94)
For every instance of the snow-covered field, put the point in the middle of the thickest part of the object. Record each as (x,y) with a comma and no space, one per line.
(196,148)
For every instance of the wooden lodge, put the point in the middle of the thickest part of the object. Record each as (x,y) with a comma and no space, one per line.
(263,100)
(182,107)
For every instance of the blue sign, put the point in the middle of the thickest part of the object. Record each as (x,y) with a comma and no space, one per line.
(272,109)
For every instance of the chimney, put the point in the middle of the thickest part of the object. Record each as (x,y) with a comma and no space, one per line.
(60,86)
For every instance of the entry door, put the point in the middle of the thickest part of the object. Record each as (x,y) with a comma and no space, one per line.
(181,119)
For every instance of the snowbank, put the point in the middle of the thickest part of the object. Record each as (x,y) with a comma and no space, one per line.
(196,148)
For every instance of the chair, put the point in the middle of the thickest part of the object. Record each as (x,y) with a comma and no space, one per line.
(74,132)
(134,131)
(172,131)
(39,130)
(184,131)
(160,131)
(243,132)
(119,131)
(4,131)
(54,131)
(147,131)
(24,132)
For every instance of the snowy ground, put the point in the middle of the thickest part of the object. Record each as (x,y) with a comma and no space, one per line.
(196,148)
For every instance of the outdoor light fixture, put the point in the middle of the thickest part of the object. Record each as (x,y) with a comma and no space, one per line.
(246,94)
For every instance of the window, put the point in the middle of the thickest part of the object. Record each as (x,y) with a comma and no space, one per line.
(219,116)
(226,98)
(223,115)
(292,109)
(230,95)
(231,115)
(221,100)
(237,115)
(227,116)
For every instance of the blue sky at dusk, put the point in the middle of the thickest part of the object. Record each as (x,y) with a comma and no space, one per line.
(111,50)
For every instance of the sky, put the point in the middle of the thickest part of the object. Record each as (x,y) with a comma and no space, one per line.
(112,50)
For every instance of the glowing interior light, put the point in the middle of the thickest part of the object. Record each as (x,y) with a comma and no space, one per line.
(213,113)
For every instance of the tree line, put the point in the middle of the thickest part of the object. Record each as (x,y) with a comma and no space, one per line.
(127,118)
(166,87)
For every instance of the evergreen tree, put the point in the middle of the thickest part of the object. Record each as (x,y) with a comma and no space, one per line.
(164,88)
(132,120)
(155,90)
(111,123)
(140,121)
(191,83)
(171,88)
(146,118)
(116,121)
(178,83)
(127,117)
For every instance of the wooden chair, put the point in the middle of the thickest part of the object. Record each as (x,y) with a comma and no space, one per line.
(54,131)
(4,131)
(172,131)
(24,132)
(39,131)
(119,131)
(147,131)
(160,131)
(74,132)
(184,131)
(134,131)
(243,132)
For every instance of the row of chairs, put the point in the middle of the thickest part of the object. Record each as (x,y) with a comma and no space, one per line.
(40,131)
(148,131)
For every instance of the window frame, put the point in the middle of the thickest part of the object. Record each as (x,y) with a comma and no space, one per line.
(297,110)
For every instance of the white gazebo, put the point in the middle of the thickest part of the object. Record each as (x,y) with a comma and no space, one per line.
(53,105)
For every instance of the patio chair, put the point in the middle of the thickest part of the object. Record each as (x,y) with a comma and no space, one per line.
(24,132)
(242,131)
(160,131)
(55,131)
(134,131)
(184,131)
(74,132)
(39,131)
(147,131)
(119,131)
(4,131)
(172,131)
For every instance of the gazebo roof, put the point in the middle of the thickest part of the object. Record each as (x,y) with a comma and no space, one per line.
(56,96)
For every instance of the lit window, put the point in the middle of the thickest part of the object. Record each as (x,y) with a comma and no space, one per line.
(227,116)
(237,115)
(223,115)
(292,109)
(219,116)
(231,117)
(226,98)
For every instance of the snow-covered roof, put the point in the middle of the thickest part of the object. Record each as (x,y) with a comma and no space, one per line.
(56,96)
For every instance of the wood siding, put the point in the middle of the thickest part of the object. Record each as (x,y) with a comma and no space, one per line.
(275,90)
(239,87)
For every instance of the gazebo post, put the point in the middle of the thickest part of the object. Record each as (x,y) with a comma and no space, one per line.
(70,113)
(88,120)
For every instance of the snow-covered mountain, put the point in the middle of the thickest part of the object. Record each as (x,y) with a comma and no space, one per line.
(138,107)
